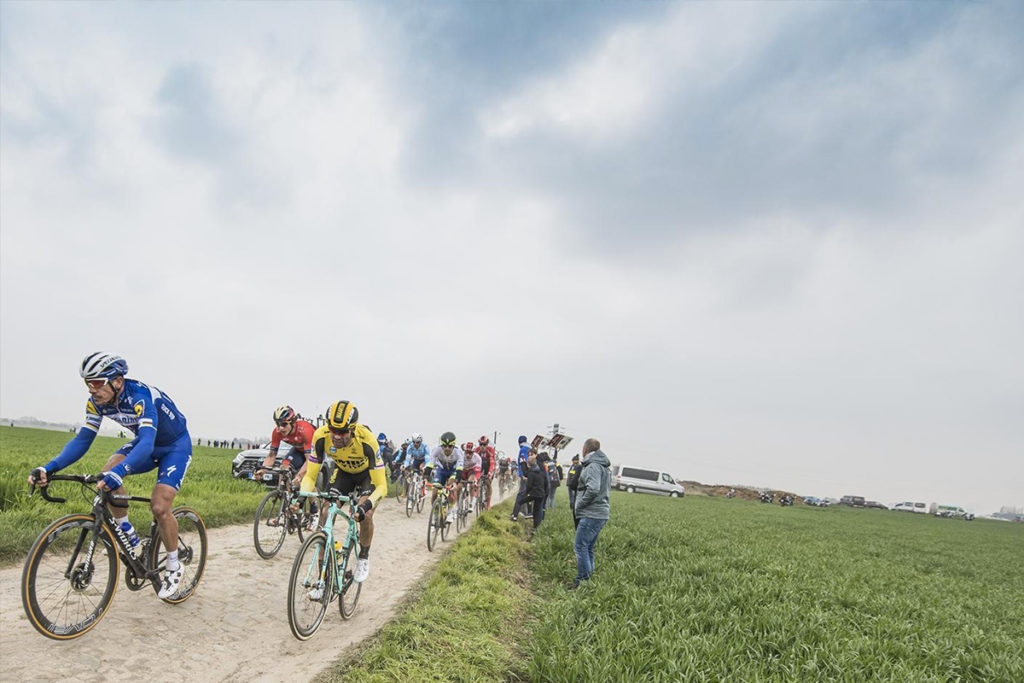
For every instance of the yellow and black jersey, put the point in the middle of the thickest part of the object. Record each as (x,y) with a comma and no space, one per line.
(358,456)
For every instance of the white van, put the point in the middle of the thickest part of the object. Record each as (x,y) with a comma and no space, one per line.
(911,507)
(635,479)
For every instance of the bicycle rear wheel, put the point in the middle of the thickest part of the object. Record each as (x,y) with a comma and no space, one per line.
(65,607)
(191,553)
(269,539)
(310,586)
(349,588)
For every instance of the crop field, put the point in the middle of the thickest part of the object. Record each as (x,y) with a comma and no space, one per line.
(209,486)
(714,589)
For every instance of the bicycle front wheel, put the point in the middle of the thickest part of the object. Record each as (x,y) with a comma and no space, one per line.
(435,525)
(410,502)
(271,525)
(64,593)
(310,586)
(191,553)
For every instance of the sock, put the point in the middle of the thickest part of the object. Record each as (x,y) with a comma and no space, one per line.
(172,560)
(122,520)
(364,552)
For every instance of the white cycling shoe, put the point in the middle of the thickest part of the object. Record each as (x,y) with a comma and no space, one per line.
(315,594)
(362,570)
(171,584)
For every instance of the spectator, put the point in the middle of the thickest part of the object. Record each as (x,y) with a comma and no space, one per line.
(572,481)
(522,469)
(537,485)
(554,481)
(592,507)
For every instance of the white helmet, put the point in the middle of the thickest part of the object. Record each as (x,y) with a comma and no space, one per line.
(103,366)
(417,437)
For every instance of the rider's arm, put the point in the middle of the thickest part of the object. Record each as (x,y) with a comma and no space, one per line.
(77,447)
(313,463)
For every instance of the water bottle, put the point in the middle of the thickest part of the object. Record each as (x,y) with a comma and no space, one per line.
(133,538)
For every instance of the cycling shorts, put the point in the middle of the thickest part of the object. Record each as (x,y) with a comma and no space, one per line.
(472,473)
(348,484)
(172,460)
(443,474)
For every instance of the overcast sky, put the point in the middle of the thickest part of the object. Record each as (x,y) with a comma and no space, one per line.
(772,244)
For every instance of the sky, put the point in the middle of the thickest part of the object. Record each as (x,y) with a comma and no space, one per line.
(771,244)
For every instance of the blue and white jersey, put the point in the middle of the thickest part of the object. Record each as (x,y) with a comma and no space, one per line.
(438,459)
(417,455)
(144,410)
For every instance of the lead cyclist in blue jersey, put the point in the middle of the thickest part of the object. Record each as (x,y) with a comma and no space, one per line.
(161,441)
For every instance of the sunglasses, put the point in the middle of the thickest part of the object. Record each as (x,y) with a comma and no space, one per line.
(341,432)
(97,383)
(447,447)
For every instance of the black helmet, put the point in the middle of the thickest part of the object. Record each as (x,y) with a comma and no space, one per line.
(448,439)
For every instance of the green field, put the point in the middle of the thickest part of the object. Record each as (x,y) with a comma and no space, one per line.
(209,487)
(713,589)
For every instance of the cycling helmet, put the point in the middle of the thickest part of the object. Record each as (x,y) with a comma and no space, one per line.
(284,414)
(447,439)
(523,439)
(103,366)
(468,447)
(382,438)
(342,415)
(417,437)
(484,441)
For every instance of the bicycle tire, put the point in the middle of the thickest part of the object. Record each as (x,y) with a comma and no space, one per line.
(44,572)
(460,503)
(272,505)
(310,571)
(420,497)
(349,588)
(434,525)
(410,504)
(192,549)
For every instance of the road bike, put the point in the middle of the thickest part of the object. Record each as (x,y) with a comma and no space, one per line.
(71,571)
(275,516)
(463,505)
(437,523)
(415,493)
(483,499)
(323,569)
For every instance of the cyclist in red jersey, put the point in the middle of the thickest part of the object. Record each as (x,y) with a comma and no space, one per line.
(471,467)
(295,432)
(487,464)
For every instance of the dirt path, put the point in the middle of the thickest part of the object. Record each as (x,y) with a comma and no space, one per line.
(234,628)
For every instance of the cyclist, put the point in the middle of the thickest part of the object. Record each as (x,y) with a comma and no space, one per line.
(471,468)
(358,468)
(295,432)
(486,452)
(446,461)
(161,441)
(417,453)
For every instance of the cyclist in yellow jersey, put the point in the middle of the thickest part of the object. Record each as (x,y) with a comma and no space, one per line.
(353,448)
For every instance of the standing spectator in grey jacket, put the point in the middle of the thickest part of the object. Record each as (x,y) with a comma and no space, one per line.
(593,506)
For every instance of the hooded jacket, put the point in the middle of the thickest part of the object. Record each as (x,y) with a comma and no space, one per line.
(594,488)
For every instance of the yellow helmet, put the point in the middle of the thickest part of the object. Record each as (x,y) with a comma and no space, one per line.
(342,415)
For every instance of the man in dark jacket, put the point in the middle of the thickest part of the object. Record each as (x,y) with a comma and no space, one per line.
(572,481)
(537,486)
(593,506)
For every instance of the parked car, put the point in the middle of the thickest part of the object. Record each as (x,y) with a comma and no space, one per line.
(953,511)
(816,502)
(245,462)
(911,507)
(852,501)
(876,505)
(636,479)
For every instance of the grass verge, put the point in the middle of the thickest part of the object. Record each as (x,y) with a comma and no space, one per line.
(466,623)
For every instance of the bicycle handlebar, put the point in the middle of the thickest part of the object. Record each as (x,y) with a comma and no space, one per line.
(44,491)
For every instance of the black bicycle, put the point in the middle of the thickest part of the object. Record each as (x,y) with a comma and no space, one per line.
(71,571)
(275,516)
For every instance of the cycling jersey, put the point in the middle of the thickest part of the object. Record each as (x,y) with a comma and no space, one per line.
(359,456)
(145,411)
(418,455)
(301,437)
(471,461)
(439,459)
(486,459)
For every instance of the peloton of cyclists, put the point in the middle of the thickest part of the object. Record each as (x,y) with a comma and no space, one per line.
(161,442)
